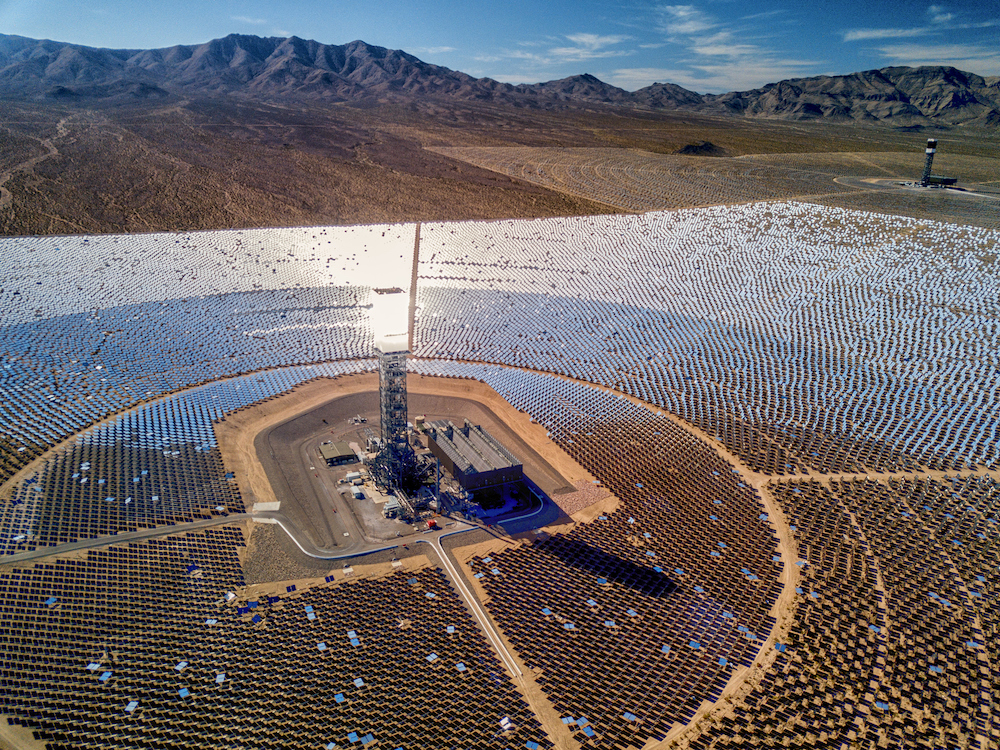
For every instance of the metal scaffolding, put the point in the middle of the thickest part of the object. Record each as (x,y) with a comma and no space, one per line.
(392,396)
(925,179)
(390,326)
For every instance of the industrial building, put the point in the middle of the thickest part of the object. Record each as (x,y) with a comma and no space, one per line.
(472,456)
(337,454)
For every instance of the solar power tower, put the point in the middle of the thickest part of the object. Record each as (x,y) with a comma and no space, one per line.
(925,180)
(390,325)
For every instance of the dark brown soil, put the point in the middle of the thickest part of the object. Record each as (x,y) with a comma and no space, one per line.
(701,148)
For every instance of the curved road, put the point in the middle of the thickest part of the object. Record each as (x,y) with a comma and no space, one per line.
(296,534)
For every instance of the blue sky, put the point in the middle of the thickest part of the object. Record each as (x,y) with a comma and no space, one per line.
(706,46)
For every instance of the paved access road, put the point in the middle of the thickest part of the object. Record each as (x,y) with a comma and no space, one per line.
(125,536)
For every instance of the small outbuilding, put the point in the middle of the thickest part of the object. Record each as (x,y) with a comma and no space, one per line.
(336,454)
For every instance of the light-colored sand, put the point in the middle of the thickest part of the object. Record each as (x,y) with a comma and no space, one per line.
(14,737)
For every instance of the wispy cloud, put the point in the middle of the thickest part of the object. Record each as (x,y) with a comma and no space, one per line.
(431,50)
(585,46)
(855,35)
(683,20)
(717,55)
(251,21)
(977,58)
(589,47)
(940,20)
(764,14)
(512,78)
(637,78)
(939,14)
(596,41)
(711,78)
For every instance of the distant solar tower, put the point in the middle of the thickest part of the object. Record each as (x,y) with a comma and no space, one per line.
(931,149)
(390,325)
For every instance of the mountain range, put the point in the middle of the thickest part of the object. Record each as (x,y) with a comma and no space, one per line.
(275,68)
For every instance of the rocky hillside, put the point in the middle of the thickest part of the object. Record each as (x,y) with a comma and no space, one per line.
(273,68)
(898,95)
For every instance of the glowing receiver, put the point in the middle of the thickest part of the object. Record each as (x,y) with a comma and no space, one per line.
(390,321)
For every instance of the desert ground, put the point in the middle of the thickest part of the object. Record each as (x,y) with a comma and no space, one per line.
(231,163)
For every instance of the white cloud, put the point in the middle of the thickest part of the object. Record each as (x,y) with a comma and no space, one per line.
(576,54)
(280,32)
(718,56)
(939,14)
(765,14)
(251,21)
(431,50)
(589,47)
(746,74)
(516,54)
(595,41)
(740,75)
(940,20)
(726,50)
(855,35)
(513,78)
(975,58)
(637,78)
(683,20)
(586,46)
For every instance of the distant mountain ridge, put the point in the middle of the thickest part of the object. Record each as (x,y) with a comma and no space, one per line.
(273,67)
(900,95)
